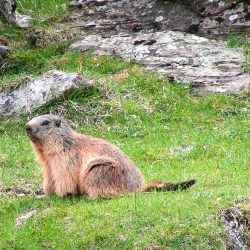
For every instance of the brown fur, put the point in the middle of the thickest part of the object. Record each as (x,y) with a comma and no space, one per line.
(79,164)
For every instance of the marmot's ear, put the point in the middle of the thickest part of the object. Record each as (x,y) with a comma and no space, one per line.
(58,122)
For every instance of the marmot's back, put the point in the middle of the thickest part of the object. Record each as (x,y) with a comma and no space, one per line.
(109,167)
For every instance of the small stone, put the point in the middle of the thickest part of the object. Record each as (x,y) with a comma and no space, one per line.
(183,150)
(233,18)
(23,21)
(76,3)
(221,4)
(121,238)
(90,24)
(21,195)
(23,217)
(159,18)
(7,11)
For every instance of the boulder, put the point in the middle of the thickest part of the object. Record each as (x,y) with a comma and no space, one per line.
(34,94)
(208,65)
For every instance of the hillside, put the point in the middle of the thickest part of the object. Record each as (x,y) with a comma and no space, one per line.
(170,134)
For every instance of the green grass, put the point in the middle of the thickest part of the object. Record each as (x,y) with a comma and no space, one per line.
(242,42)
(144,116)
(43,10)
(153,118)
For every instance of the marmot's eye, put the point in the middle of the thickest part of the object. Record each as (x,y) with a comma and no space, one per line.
(46,122)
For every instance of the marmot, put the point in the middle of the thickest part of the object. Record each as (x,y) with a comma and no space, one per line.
(80,164)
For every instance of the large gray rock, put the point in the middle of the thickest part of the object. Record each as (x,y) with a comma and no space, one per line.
(27,98)
(208,65)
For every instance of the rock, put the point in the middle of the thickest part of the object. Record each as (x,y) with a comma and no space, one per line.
(211,19)
(147,15)
(21,192)
(8,14)
(141,33)
(182,150)
(4,50)
(208,65)
(27,98)
(23,217)
(23,21)
(20,221)
(3,41)
(77,3)
(7,11)
(237,222)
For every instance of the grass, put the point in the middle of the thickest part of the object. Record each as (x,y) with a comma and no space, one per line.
(242,42)
(147,118)
(43,11)
(152,119)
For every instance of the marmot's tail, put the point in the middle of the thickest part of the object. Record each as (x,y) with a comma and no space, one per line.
(164,186)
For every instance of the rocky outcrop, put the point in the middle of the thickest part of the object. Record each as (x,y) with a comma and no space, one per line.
(213,18)
(208,65)
(147,32)
(34,94)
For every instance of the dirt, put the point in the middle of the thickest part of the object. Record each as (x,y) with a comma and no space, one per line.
(20,192)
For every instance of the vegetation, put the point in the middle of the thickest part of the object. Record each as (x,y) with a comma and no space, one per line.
(148,118)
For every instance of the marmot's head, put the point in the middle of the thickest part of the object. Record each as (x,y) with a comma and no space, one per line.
(49,129)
